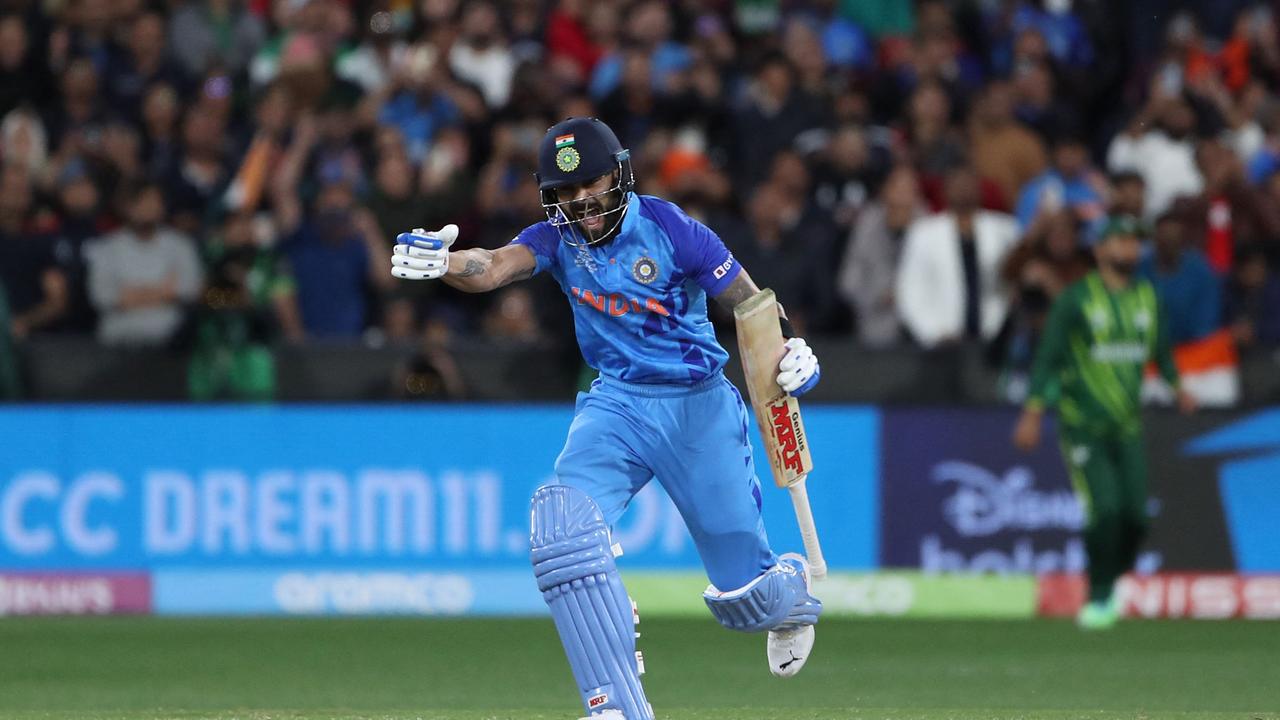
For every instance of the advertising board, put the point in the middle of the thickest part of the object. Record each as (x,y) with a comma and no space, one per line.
(277,509)
(51,593)
(958,498)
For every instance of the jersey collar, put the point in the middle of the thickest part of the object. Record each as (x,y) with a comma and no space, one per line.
(631,215)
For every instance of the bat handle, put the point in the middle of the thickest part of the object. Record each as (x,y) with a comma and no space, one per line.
(808,530)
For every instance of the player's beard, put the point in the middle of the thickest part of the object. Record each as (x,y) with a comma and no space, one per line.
(598,220)
(1124,268)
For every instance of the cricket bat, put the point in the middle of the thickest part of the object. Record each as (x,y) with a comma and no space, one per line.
(777,413)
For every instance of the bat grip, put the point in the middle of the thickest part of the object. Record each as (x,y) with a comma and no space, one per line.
(808,530)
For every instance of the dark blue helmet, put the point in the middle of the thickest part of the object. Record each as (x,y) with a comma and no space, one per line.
(578,150)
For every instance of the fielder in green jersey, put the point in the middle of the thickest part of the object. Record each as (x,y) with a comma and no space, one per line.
(1101,333)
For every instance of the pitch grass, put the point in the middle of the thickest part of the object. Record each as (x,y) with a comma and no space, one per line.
(262,669)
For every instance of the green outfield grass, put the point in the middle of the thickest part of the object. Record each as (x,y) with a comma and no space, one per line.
(491,669)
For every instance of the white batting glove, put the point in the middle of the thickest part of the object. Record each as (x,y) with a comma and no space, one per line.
(422,255)
(798,371)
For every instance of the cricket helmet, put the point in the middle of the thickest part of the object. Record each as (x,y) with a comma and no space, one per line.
(579,150)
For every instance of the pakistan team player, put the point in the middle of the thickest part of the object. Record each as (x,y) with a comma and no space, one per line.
(1101,333)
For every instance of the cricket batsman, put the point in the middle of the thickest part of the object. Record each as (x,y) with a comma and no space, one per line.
(637,272)
(1101,333)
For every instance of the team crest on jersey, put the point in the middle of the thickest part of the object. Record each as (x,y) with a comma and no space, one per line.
(1080,455)
(1098,318)
(1142,320)
(645,270)
(567,159)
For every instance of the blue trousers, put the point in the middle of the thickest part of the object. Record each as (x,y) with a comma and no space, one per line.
(693,439)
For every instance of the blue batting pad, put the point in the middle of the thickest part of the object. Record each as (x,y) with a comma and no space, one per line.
(807,608)
(574,566)
(776,599)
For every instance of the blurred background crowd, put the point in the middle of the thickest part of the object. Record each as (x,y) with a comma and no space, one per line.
(222,177)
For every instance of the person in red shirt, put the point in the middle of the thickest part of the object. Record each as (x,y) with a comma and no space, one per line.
(1228,213)
(569,37)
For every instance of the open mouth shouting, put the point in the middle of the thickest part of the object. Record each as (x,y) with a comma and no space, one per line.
(592,216)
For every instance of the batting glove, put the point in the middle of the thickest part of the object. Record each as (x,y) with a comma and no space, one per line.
(422,255)
(798,372)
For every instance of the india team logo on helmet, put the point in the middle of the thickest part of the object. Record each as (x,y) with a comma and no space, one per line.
(645,270)
(567,159)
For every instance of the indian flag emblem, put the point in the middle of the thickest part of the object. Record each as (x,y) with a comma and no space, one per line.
(564,141)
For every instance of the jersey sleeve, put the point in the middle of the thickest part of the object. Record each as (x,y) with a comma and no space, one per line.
(1052,354)
(700,253)
(542,240)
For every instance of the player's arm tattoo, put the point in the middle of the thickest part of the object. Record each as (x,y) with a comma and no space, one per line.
(478,261)
(744,287)
(739,290)
(481,270)
(469,270)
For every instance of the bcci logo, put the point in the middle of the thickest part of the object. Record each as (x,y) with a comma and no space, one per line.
(645,270)
(567,159)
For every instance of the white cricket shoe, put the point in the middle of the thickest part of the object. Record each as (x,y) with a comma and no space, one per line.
(789,649)
(610,714)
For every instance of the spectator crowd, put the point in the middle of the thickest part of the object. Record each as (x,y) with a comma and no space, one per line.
(222,176)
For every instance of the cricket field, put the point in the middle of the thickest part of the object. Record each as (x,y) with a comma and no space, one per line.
(480,669)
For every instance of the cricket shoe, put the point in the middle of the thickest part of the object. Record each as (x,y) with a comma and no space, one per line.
(606,715)
(1097,616)
(789,646)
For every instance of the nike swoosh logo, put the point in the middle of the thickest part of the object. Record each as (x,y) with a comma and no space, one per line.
(786,664)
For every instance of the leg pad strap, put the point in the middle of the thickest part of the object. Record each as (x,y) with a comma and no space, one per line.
(776,598)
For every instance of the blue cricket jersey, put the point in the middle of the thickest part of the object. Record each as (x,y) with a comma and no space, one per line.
(640,301)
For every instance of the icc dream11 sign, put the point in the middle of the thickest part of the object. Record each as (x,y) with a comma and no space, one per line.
(295,509)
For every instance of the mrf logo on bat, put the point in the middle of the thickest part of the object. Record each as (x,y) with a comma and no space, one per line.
(784,426)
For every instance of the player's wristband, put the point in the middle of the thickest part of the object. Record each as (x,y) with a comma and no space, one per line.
(788,332)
